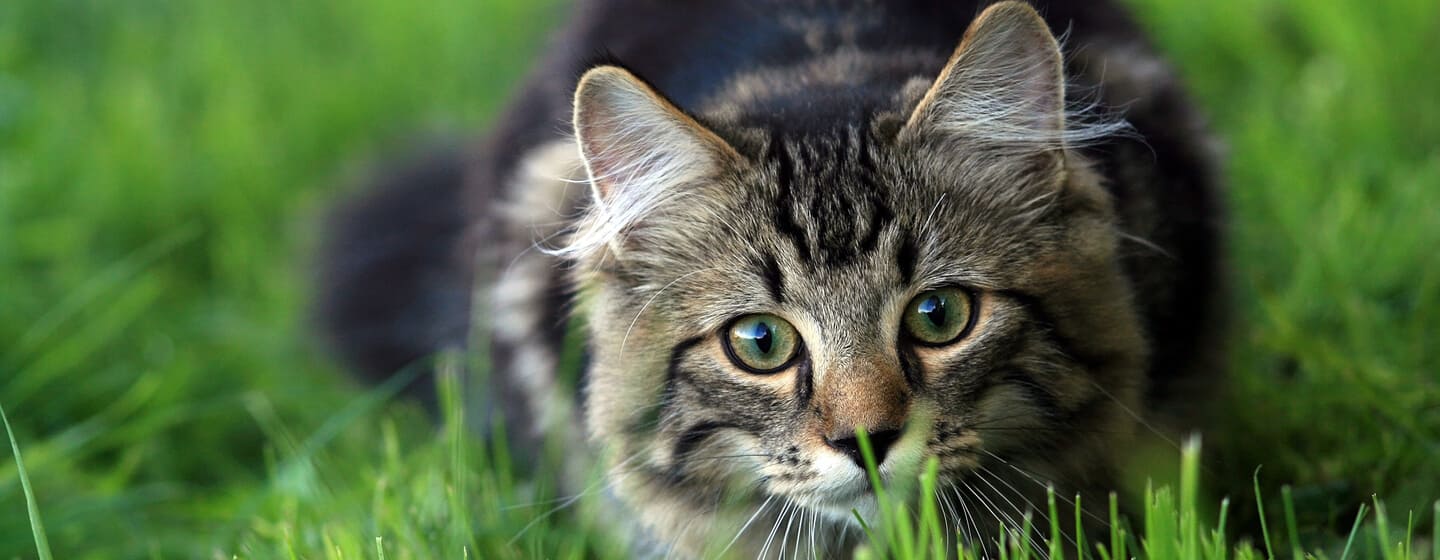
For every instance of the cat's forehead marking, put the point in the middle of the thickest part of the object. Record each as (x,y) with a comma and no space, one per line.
(831,202)
(774,278)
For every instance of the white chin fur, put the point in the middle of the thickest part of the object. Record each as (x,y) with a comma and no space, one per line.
(840,489)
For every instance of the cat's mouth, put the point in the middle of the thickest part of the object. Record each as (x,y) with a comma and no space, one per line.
(839,496)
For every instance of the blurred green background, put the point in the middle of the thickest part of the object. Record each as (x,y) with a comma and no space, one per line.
(163,165)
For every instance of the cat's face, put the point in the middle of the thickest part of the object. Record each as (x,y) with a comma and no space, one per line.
(950,287)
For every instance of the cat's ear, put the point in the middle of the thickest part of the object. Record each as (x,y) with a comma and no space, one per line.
(1005,83)
(632,139)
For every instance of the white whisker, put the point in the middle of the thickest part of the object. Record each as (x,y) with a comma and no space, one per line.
(1135,415)
(975,540)
(996,515)
(758,511)
(779,519)
(626,338)
(1035,479)
(604,482)
(785,538)
(814,518)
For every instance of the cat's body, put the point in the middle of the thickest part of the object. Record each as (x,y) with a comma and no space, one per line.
(827,181)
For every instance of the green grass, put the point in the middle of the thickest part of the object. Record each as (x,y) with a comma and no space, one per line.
(162,164)
(32,510)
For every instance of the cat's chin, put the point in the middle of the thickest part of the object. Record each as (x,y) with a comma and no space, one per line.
(840,508)
(844,510)
(840,500)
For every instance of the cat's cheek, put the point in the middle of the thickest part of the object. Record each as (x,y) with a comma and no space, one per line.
(1004,414)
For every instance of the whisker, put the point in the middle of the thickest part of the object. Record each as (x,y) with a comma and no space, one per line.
(971,540)
(1030,505)
(1136,416)
(765,550)
(996,419)
(814,519)
(626,338)
(1066,430)
(944,515)
(785,538)
(1033,478)
(928,218)
(737,456)
(1017,524)
(605,482)
(758,511)
(1017,492)
(1145,243)
(602,483)
(1001,519)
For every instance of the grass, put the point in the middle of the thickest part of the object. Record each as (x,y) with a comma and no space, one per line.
(37,525)
(162,164)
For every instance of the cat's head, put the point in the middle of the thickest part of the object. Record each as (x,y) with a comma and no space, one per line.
(941,273)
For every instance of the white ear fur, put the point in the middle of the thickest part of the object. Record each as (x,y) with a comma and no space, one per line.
(1004,84)
(637,148)
(632,138)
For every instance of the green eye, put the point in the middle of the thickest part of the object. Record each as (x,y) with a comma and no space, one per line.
(761,343)
(939,316)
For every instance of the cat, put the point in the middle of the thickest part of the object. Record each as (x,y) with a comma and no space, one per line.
(781,222)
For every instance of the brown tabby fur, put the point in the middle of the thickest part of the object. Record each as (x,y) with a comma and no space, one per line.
(830,182)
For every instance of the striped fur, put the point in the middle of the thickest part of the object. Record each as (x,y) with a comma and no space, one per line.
(826,165)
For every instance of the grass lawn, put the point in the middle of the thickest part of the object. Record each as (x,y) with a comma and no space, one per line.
(162,165)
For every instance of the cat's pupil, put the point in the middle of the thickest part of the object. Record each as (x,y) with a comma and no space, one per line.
(933,308)
(761,335)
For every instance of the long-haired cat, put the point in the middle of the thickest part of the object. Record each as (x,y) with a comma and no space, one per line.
(784,221)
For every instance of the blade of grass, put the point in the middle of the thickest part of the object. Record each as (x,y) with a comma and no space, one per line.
(1260,509)
(896,526)
(1220,548)
(1382,528)
(37,527)
(1116,546)
(1151,515)
(1057,549)
(864,527)
(453,411)
(1354,530)
(930,526)
(1190,498)
(1409,535)
(1290,527)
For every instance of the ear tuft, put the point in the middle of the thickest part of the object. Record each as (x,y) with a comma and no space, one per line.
(640,151)
(631,137)
(1005,83)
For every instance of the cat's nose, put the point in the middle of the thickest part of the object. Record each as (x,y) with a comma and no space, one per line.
(880,443)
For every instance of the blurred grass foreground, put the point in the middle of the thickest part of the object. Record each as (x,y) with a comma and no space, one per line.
(163,165)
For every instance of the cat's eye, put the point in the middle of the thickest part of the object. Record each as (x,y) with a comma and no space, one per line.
(939,316)
(761,343)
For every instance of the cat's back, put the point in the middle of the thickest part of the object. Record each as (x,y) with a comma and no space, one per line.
(690,50)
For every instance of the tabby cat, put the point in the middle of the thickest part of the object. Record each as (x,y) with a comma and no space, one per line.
(784,221)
